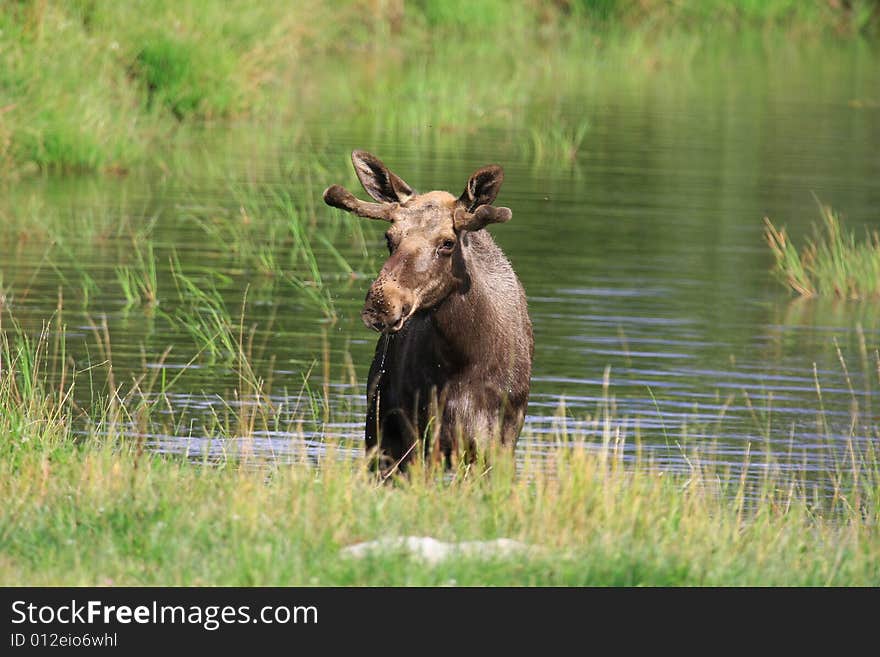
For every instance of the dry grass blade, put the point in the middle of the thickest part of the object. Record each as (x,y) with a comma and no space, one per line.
(832,263)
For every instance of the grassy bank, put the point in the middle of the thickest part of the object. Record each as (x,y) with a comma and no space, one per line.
(102,86)
(113,516)
(88,501)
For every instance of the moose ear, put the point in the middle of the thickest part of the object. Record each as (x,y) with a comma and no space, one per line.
(482,187)
(378,180)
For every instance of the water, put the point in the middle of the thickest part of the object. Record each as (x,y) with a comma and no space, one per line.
(643,257)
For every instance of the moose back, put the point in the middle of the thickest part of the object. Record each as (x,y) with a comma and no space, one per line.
(453,364)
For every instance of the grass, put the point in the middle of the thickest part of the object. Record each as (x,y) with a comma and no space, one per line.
(275,235)
(558,143)
(182,76)
(203,314)
(87,501)
(104,87)
(854,17)
(833,263)
(104,516)
(139,281)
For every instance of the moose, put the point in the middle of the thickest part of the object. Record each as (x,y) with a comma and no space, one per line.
(452,367)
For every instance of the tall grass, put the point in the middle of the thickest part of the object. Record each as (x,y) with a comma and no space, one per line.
(185,78)
(275,234)
(139,281)
(103,86)
(203,314)
(87,500)
(854,17)
(834,262)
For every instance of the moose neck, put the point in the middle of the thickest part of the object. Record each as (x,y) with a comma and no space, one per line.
(470,319)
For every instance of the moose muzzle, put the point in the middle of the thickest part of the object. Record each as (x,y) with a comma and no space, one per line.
(388,306)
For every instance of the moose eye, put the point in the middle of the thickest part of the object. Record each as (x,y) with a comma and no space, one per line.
(446,247)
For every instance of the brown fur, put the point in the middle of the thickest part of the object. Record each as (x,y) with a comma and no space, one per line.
(453,365)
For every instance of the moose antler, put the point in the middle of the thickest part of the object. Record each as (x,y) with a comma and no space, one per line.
(481,217)
(339,197)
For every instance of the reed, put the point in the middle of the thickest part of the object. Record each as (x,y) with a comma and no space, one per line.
(833,262)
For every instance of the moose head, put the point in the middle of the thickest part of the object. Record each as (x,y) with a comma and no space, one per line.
(427,237)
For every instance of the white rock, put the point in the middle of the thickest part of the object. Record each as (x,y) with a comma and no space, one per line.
(433,551)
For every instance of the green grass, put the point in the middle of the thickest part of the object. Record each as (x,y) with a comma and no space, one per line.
(559,143)
(98,515)
(104,86)
(796,15)
(87,502)
(834,262)
(139,281)
(183,77)
(202,314)
(104,516)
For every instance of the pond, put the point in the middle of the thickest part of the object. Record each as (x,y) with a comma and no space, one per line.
(636,231)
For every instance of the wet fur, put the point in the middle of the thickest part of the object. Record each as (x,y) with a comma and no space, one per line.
(466,362)
(453,365)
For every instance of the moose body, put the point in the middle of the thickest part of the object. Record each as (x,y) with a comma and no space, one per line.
(453,364)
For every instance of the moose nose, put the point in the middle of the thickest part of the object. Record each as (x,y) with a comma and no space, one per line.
(388,305)
(388,321)
(373,319)
(386,318)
